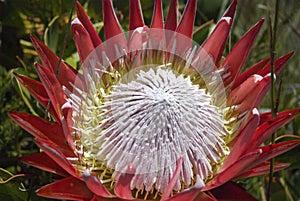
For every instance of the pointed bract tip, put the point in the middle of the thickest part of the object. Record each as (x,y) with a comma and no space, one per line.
(95,185)
(186,23)
(157,17)
(37,65)
(199,183)
(67,105)
(255,29)
(135,15)
(36,42)
(239,53)
(76,21)
(257,26)
(215,43)
(112,25)
(171,19)
(288,55)
(255,111)
(32,37)
(85,21)
(227,19)
(259,23)
(231,9)
(78,7)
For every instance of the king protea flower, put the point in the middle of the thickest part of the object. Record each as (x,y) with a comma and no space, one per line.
(152,116)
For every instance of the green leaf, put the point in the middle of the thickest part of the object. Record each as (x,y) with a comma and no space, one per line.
(51,35)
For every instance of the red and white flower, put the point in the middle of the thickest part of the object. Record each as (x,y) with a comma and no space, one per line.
(153,116)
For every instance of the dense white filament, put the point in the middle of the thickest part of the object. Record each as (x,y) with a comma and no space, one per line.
(149,122)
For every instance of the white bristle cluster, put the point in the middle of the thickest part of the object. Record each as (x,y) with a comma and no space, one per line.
(149,122)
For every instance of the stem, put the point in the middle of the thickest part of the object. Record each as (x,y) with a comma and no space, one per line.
(65,39)
(285,187)
(274,108)
(262,191)
(62,51)
(10,174)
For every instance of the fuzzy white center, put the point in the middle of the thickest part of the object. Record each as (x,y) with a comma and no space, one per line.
(154,119)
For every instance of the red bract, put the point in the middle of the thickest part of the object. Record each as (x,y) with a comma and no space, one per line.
(96,142)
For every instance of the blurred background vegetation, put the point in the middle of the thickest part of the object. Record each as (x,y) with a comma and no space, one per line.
(48,19)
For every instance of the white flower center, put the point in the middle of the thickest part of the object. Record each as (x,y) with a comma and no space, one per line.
(152,120)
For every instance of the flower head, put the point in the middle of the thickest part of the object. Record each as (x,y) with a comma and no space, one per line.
(152,116)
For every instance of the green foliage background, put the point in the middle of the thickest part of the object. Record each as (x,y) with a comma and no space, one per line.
(48,19)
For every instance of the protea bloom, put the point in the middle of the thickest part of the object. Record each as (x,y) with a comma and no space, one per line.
(153,116)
